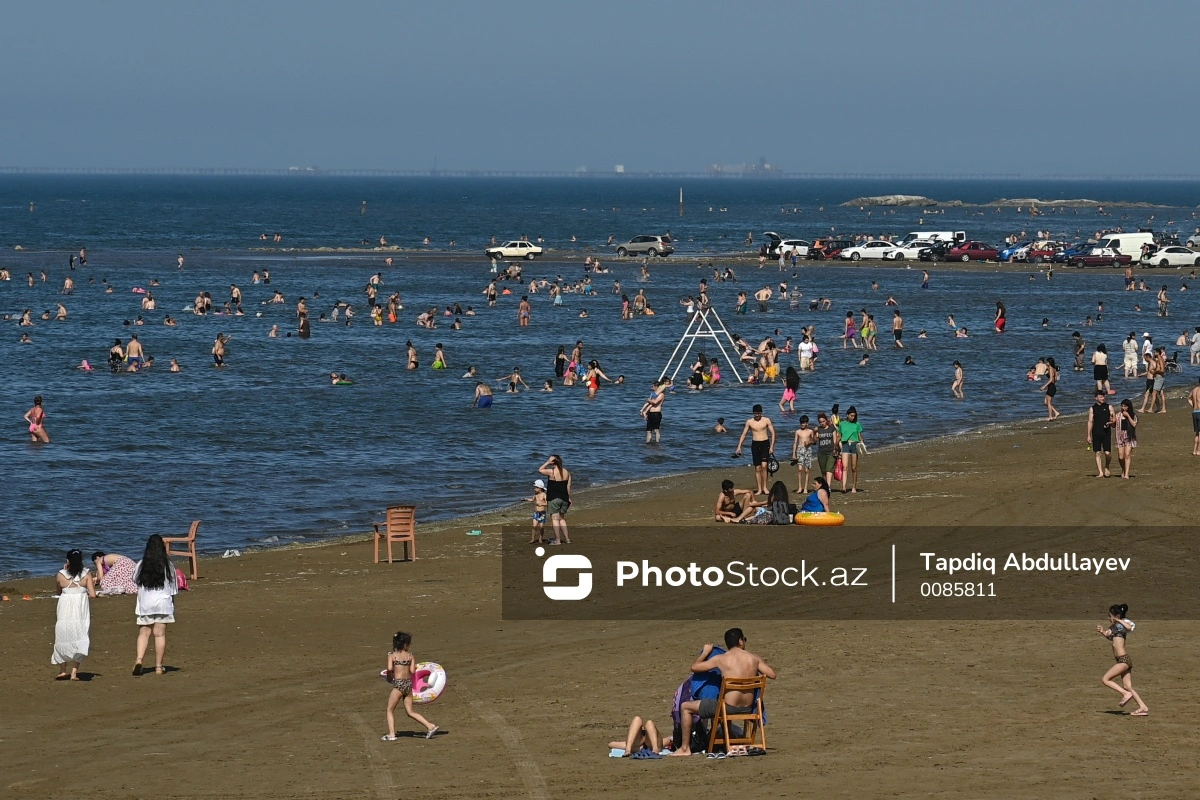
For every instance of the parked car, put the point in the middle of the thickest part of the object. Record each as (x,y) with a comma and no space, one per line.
(648,246)
(1063,256)
(873,249)
(909,251)
(828,248)
(1041,251)
(1176,256)
(972,251)
(1100,257)
(1010,253)
(777,246)
(510,250)
(1193,240)
(936,251)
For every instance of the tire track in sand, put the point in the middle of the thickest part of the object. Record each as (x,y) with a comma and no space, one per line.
(531,774)
(385,787)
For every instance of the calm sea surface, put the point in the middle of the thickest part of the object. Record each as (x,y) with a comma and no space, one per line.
(266,451)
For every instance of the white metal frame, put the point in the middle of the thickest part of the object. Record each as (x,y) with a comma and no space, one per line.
(701,326)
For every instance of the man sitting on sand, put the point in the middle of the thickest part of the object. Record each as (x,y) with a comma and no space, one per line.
(737,662)
(735,505)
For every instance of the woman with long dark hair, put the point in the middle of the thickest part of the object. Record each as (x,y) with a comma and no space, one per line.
(560,361)
(71,630)
(1051,389)
(1118,628)
(1126,426)
(157,586)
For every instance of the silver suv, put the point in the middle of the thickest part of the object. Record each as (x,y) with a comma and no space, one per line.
(647,245)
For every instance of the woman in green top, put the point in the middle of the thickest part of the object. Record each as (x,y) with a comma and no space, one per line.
(850,433)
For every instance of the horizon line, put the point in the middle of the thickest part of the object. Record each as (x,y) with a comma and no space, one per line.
(578,173)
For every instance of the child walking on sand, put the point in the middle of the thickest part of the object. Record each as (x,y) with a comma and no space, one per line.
(540,503)
(400,662)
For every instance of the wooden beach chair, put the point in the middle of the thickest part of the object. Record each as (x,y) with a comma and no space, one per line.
(400,525)
(185,546)
(753,731)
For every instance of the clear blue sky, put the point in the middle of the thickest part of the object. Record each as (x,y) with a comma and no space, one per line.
(962,86)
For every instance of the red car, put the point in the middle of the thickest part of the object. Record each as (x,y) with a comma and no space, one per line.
(1100,257)
(973,251)
(1042,251)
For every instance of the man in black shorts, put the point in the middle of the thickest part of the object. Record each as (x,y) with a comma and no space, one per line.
(898,328)
(1100,433)
(652,410)
(762,445)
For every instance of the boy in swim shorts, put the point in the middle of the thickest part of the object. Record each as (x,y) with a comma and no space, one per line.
(539,511)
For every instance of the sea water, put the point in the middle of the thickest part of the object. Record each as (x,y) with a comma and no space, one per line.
(266,451)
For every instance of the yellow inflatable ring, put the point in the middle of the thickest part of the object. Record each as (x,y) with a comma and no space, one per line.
(819,518)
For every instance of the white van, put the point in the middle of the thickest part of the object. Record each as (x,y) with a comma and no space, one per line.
(1129,244)
(935,236)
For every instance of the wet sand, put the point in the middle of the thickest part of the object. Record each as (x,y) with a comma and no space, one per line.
(274,690)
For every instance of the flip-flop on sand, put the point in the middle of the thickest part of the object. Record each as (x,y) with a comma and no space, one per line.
(1139,713)
(389,738)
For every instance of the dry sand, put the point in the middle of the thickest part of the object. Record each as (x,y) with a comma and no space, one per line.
(274,691)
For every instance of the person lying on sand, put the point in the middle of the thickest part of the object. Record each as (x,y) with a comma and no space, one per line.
(643,735)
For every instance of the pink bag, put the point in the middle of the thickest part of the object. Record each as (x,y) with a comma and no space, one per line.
(838,472)
(181,579)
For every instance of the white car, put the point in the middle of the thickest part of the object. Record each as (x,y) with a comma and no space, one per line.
(1193,240)
(798,247)
(1172,256)
(907,251)
(513,250)
(872,249)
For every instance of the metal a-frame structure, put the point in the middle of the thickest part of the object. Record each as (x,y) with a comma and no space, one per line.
(704,324)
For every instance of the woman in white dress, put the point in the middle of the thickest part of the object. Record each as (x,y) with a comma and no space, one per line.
(157,586)
(71,642)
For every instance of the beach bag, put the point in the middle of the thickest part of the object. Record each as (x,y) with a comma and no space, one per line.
(181,580)
(838,471)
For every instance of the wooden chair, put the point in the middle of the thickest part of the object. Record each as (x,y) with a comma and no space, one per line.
(753,731)
(400,525)
(188,545)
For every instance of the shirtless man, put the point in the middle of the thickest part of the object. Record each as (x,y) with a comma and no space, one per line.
(134,354)
(762,444)
(763,296)
(803,454)
(736,662)
(898,328)
(734,505)
(218,350)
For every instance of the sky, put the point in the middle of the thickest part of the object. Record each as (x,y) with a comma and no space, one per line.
(1079,87)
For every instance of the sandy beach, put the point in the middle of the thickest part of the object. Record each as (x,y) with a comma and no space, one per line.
(273,690)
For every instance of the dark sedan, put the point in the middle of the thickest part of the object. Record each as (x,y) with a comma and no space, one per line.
(1100,257)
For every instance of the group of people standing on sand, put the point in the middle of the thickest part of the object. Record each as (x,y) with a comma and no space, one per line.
(155,581)
(833,447)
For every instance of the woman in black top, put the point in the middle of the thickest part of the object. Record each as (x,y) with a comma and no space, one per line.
(560,361)
(558,497)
